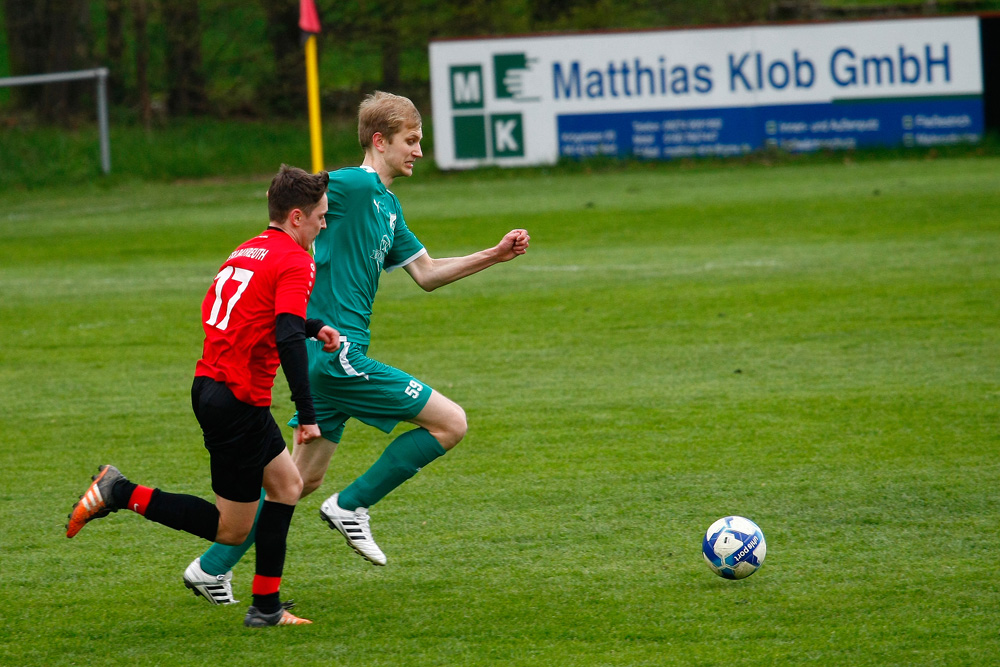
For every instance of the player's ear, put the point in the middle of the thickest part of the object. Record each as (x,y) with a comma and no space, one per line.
(379,141)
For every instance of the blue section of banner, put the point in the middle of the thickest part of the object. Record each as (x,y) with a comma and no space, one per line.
(793,128)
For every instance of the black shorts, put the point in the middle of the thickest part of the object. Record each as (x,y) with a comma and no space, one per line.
(241,439)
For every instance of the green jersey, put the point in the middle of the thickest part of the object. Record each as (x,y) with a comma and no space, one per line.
(365,233)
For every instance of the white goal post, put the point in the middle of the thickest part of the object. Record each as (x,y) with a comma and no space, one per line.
(101,75)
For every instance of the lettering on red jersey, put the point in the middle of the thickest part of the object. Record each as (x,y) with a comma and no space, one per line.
(266,276)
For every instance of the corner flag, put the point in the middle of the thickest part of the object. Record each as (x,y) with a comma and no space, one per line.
(308,17)
(309,24)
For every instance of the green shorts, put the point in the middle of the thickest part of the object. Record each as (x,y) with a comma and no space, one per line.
(346,384)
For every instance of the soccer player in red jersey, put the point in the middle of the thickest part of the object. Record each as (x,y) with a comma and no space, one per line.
(254,316)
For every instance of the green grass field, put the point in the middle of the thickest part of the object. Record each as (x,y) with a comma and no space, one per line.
(814,347)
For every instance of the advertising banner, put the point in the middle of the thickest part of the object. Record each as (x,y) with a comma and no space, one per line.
(704,92)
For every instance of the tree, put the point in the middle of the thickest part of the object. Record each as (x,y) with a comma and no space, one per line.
(286,91)
(389,41)
(140,20)
(185,79)
(46,36)
(115,55)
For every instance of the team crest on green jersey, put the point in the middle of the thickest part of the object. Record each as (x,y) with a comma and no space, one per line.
(379,253)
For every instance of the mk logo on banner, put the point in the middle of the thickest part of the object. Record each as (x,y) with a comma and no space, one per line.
(478,134)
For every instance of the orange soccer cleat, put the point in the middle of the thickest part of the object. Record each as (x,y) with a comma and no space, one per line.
(256,619)
(97,502)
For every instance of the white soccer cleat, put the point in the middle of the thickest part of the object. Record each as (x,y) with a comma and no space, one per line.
(216,588)
(353,525)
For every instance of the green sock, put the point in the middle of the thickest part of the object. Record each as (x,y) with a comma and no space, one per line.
(221,558)
(399,462)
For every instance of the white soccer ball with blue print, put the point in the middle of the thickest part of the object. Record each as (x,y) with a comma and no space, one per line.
(734,547)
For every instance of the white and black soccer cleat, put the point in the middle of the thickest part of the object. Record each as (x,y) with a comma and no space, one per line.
(216,588)
(353,525)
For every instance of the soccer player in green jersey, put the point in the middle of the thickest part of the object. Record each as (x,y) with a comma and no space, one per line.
(366,234)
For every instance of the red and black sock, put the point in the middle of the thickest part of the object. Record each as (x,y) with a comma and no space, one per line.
(272,533)
(178,511)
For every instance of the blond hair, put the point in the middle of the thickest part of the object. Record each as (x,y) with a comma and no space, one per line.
(385,114)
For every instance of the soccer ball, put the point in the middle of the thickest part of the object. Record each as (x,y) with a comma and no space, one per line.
(734,547)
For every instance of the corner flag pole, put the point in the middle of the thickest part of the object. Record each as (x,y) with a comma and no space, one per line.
(309,24)
(312,79)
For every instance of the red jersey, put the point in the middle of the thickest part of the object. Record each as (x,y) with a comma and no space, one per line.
(266,276)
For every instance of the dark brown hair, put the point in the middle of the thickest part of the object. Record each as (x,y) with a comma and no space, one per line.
(295,188)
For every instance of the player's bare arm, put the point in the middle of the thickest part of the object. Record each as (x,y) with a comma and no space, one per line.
(431,273)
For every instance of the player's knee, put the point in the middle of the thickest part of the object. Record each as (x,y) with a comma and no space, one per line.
(462,423)
(297,488)
(457,427)
(289,492)
(311,482)
(232,535)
